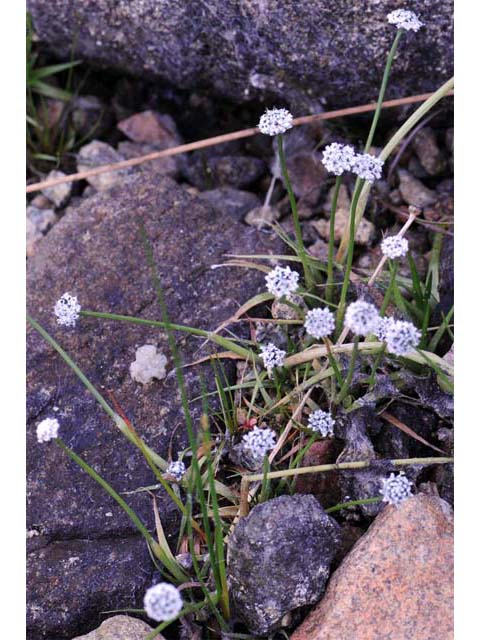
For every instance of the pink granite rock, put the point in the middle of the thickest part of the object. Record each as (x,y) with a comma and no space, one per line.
(396,583)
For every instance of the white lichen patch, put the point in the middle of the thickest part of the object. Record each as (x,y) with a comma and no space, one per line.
(149,364)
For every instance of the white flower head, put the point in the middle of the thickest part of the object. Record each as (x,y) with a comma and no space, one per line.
(319,323)
(282,281)
(275,121)
(176,469)
(396,489)
(361,318)
(47,429)
(405,19)
(402,337)
(321,422)
(383,325)
(338,158)
(67,310)
(394,247)
(272,356)
(367,167)
(162,602)
(258,442)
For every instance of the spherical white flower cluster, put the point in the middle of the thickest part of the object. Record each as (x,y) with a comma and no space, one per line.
(367,167)
(319,323)
(361,318)
(321,422)
(282,281)
(162,602)
(47,429)
(275,121)
(67,310)
(176,469)
(396,489)
(272,356)
(383,325)
(394,247)
(402,337)
(338,158)
(259,442)
(405,19)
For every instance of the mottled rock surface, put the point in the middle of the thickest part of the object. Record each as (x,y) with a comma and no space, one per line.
(396,583)
(227,200)
(118,628)
(299,51)
(95,251)
(279,559)
(100,572)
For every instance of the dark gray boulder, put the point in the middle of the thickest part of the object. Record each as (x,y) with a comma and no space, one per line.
(95,251)
(279,559)
(302,52)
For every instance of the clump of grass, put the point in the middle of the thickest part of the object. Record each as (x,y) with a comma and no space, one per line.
(290,395)
(51,138)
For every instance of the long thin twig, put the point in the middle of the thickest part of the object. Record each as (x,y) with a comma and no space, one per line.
(210,142)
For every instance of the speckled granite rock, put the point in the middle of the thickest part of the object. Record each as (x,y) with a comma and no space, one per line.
(118,628)
(299,51)
(396,583)
(95,251)
(279,559)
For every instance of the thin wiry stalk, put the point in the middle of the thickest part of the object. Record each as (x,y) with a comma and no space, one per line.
(348,267)
(392,144)
(381,95)
(172,567)
(331,240)
(211,600)
(119,422)
(353,503)
(348,380)
(359,183)
(223,342)
(219,558)
(296,221)
(183,392)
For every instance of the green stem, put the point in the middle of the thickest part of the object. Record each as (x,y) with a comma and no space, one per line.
(348,267)
(333,362)
(223,342)
(47,337)
(265,482)
(296,221)
(191,544)
(219,558)
(119,422)
(392,144)
(391,285)
(383,86)
(353,503)
(348,380)
(375,366)
(172,567)
(373,127)
(331,240)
